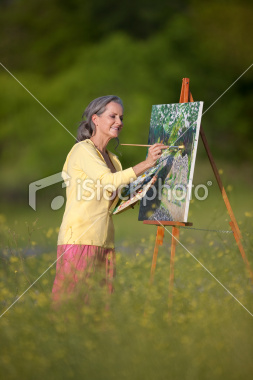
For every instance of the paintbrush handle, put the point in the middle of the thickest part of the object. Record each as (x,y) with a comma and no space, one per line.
(140,145)
(166,146)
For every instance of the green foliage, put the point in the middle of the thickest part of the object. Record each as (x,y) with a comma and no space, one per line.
(67,53)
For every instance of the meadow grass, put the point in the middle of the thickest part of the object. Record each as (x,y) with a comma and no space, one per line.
(130,334)
(207,335)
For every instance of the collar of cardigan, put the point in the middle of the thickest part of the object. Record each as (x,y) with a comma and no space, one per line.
(111,155)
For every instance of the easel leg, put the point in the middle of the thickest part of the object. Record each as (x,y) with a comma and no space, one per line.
(233,223)
(241,249)
(175,237)
(158,241)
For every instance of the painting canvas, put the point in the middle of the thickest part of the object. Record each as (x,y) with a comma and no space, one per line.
(174,125)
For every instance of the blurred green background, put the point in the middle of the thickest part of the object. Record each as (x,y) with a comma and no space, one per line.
(67,53)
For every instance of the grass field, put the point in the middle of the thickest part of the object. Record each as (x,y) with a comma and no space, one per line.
(208,334)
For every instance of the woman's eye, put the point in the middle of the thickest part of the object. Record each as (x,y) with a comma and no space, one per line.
(113,116)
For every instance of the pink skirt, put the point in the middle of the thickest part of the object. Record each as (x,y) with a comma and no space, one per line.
(77,264)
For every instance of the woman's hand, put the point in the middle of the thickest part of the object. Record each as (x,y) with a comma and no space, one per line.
(154,153)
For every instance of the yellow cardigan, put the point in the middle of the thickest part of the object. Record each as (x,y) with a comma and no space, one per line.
(89,221)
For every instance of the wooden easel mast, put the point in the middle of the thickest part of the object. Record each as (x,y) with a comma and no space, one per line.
(185,97)
(233,223)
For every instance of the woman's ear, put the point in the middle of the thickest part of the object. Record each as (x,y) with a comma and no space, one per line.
(94,118)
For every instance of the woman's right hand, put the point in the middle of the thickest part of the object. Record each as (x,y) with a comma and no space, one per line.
(154,153)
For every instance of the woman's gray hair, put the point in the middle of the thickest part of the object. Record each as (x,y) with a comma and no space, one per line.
(87,128)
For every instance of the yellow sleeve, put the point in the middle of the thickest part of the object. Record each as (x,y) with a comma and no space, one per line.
(92,164)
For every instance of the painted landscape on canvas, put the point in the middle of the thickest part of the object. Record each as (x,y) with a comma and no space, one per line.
(173,125)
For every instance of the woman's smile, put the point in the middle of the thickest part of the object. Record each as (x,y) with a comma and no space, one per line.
(116,128)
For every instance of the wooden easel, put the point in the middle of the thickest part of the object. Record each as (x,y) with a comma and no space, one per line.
(185,97)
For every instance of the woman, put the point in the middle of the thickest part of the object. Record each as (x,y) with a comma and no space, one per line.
(86,236)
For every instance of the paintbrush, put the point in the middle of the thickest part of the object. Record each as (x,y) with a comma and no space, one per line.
(167,146)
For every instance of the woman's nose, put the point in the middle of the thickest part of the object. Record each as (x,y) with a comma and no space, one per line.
(120,122)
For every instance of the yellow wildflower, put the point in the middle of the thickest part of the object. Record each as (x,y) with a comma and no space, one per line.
(49,232)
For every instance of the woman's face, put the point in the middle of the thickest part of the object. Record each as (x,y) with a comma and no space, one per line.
(110,123)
